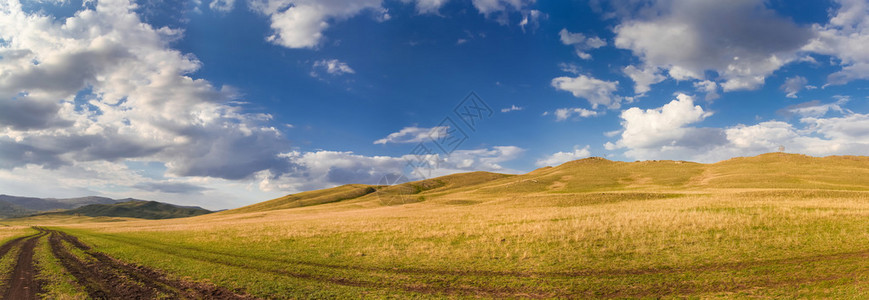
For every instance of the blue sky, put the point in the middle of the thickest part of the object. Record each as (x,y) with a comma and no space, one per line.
(223,103)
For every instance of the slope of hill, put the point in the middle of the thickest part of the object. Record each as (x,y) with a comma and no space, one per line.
(404,193)
(135,209)
(344,192)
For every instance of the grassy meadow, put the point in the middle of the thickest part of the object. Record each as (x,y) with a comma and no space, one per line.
(771,226)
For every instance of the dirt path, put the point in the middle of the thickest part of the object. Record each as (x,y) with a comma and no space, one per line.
(100,276)
(21,284)
(104,277)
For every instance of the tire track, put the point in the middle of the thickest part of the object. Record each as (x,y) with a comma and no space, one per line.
(104,277)
(22,283)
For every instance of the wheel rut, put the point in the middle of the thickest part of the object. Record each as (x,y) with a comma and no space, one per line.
(22,283)
(99,275)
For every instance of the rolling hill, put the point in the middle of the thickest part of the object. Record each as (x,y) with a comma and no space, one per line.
(131,208)
(593,177)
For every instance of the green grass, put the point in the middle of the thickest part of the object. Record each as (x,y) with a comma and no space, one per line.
(587,229)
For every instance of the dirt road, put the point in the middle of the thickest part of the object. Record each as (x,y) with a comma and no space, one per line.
(99,275)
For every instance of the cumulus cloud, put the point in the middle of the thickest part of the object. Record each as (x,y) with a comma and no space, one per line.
(104,86)
(580,42)
(743,41)
(845,37)
(664,131)
(415,134)
(332,67)
(668,132)
(793,85)
(596,91)
(558,158)
(301,23)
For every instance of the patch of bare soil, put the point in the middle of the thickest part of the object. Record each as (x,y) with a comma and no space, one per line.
(21,283)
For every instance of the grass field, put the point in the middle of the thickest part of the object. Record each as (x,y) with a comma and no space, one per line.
(771,226)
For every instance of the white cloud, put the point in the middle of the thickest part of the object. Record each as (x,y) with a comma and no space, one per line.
(644,78)
(427,6)
(558,158)
(815,109)
(222,5)
(488,7)
(664,131)
(531,19)
(667,133)
(596,91)
(845,37)
(709,87)
(580,42)
(323,169)
(742,41)
(140,101)
(562,114)
(301,23)
(332,67)
(793,85)
(415,135)
(569,68)
(511,108)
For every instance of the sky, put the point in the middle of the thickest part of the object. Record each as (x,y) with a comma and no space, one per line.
(224,103)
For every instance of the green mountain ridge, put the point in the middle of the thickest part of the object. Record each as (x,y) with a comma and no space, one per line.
(140,209)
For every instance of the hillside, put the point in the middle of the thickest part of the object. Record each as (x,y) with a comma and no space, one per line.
(589,178)
(404,193)
(135,209)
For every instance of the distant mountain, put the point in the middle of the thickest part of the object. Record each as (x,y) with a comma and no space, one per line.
(14,206)
(132,208)
(43,204)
